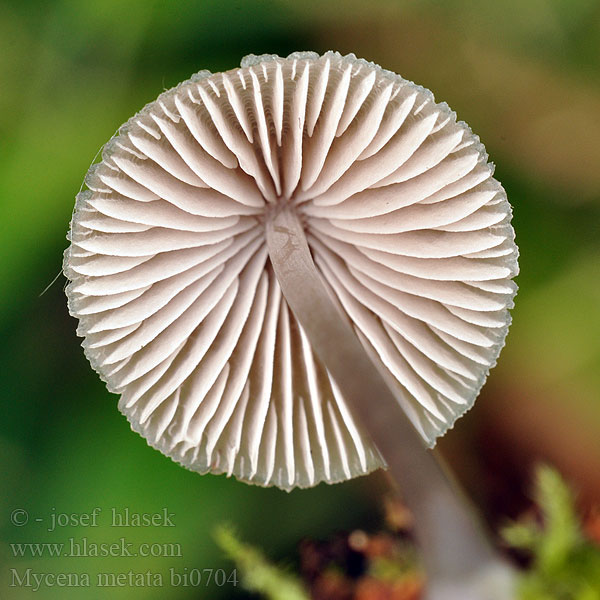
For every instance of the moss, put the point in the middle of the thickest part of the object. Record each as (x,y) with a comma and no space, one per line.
(257,573)
(565,565)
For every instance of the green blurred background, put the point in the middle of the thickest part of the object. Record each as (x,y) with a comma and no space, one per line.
(524,75)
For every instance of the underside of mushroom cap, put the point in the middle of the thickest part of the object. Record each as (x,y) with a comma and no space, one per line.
(179,307)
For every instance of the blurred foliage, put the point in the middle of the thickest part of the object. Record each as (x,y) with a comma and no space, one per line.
(565,565)
(358,566)
(525,76)
(258,575)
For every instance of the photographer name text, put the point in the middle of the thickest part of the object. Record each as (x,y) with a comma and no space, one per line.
(112,517)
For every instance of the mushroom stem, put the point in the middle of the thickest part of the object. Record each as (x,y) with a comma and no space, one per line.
(455,551)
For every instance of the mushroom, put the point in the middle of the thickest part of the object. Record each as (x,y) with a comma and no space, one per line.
(300,271)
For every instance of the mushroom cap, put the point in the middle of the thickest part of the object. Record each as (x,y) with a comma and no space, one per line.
(180,309)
